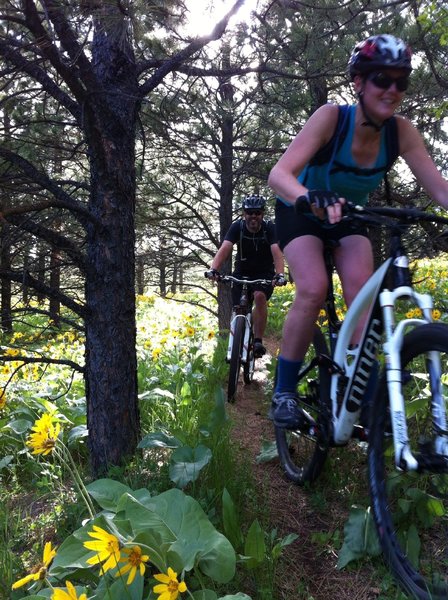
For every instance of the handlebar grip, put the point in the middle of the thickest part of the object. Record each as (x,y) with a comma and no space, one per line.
(213,274)
(301,205)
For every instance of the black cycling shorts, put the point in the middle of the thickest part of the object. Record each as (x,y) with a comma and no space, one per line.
(267,289)
(289,225)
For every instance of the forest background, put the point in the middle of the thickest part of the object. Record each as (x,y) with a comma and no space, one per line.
(127,144)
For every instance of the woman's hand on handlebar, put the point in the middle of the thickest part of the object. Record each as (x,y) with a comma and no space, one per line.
(324,204)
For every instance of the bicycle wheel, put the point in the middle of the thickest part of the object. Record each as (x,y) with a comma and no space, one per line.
(411,508)
(302,453)
(235,358)
(249,365)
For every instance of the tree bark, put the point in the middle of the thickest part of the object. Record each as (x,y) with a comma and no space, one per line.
(111,362)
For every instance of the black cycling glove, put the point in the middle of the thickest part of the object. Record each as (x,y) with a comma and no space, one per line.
(317,198)
(280,279)
(212,274)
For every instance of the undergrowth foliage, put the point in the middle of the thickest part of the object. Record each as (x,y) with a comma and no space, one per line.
(175,521)
(166,525)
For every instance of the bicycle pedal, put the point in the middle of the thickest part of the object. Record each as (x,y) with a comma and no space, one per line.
(360,433)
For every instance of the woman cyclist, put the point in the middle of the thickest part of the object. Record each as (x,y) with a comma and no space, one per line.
(379,68)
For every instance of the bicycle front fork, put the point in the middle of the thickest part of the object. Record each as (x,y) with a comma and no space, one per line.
(246,340)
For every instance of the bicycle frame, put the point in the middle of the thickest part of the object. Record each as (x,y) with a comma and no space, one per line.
(248,325)
(354,368)
(243,311)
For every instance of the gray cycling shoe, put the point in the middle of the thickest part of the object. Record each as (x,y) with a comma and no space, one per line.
(286,412)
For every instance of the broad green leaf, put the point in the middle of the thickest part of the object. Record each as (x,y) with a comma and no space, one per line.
(255,546)
(218,417)
(405,505)
(268,452)
(162,393)
(360,537)
(413,545)
(107,492)
(117,589)
(181,526)
(230,519)
(5,461)
(141,495)
(19,426)
(185,391)
(159,439)
(239,596)
(204,595)
(436,506)
(187,463)
(77,433)
(286,541)
(72,553)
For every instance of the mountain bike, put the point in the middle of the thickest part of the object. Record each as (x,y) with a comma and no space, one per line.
(396,381)
(240,348)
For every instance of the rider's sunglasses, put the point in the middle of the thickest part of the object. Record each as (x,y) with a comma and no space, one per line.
(384,81)
(251,212)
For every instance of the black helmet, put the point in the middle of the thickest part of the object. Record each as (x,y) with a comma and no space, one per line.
(254,201)
(379,52)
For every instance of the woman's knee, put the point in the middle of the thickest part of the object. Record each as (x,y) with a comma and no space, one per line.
(312,295)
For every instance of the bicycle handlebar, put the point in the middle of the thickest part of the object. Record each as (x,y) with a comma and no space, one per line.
(231,278)
(382,215)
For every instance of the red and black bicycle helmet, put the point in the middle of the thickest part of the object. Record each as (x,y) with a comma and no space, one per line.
(380,52)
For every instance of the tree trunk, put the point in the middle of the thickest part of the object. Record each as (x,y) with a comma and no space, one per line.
(226,91)
(111,361)
(140,275)
(5,263)
(55,284)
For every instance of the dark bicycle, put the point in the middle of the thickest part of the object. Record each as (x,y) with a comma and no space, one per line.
(240,349)
(402,413)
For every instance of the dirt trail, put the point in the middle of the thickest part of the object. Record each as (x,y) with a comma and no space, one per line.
(308,568)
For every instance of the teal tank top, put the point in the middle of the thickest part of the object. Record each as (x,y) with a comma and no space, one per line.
(342,174)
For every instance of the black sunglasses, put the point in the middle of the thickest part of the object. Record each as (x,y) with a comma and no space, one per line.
(384,81)
(253,212)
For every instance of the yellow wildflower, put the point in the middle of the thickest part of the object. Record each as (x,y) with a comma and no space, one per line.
(170,588)
(2,399)
(106,546)
(436,314)
(190,331)
(211,335)
(40,571)
(11,352)
(70,594)
(45,435)
(134,560)
(156,353)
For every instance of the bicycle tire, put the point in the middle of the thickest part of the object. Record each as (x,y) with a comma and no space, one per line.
(249,365)
(302,454)
(235,359)
(410,508)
